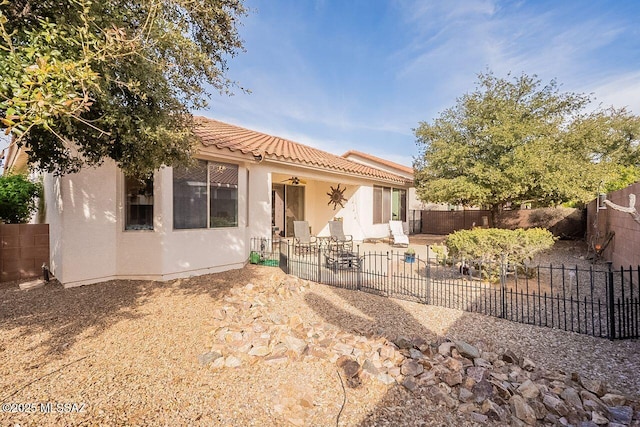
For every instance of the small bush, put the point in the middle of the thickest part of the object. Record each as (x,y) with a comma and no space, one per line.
(18,198)
(440,252)
(490,244)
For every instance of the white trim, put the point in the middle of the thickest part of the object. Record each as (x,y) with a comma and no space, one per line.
(358,177)
(158,277)
(231,156)
(239,167)
(122,201)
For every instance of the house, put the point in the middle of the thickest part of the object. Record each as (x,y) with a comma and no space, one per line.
(189,222)
(415,203)
(411,197)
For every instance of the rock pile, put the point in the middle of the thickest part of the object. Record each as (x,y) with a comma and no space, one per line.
(489,387)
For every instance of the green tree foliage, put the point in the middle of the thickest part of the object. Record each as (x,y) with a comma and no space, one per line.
(492,249)
(83,81)
(609,140)
(18,197)
(514,140)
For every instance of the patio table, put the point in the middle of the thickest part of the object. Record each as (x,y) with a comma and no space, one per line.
(342,260)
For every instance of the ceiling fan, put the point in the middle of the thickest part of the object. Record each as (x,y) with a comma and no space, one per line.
(294,180)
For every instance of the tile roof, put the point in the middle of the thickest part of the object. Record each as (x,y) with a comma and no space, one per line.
(213,133)
(403,168)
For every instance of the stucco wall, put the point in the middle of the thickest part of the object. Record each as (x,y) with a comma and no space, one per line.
(53,217)
(357,213)
(193,252)
(624,248)
(81,212)
(89,244)
(139,252)
(24,248)
(319,212)
(259,201)
(414,202)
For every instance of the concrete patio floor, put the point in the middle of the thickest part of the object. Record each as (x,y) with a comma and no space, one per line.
(418,242)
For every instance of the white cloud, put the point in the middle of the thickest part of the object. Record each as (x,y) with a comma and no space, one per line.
(455,40)
(441,48)
(303,102)
(435,12)
(618,91)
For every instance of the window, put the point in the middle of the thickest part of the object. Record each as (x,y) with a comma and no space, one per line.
(190,196)
(381,204)
(389,203)
(138,204)
(377,205)
(223,201)
(205,190)
(386,204)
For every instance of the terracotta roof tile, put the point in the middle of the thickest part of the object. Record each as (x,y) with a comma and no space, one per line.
(389,163)
(214,133)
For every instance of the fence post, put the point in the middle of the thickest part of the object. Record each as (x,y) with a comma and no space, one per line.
(428,274)
(612,305)
(358,269)
(503,286)
(388,283)
(320,263)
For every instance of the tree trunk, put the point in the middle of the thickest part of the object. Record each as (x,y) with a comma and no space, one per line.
(496,210)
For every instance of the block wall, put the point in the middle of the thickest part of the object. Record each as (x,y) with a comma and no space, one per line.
(23,250)
(623,250)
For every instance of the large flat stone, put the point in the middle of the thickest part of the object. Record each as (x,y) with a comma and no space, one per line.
(32,284)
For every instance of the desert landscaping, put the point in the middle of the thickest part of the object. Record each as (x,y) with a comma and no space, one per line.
(258,347)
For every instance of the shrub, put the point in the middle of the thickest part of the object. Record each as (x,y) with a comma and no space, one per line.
(440,252)
(17,198)
(490,244)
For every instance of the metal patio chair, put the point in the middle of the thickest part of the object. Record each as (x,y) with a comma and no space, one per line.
(338,238)
(303,241)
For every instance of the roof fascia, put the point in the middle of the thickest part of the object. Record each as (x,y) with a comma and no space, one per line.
(373,162)
(226,154)
(288,167)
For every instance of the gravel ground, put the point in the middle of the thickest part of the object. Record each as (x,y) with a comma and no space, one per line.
(126,352)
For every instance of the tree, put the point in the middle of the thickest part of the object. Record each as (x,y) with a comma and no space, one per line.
(83,81)
(488,248)
(17,198)
(514,140)
(610,139)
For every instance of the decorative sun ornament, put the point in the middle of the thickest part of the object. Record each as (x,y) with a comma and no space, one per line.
(336,196)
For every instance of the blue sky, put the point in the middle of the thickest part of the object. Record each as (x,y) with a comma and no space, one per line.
(346,74)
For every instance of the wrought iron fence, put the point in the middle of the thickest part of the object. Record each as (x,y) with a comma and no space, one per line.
(598,301)
(265,252)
